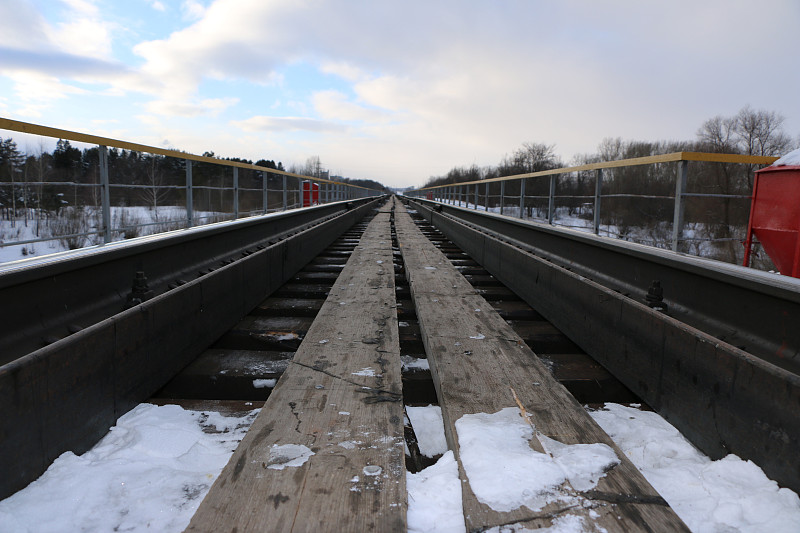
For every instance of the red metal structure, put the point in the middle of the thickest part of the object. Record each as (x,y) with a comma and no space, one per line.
(310,193)
(775,217)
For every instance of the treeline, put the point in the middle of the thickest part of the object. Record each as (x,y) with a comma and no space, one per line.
(638,201)
(69,177)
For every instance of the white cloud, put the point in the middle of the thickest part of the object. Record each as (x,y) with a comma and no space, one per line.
(205,107)
(344,70)
(192,9)
(334,105)
(287,124)
(84,36)
(158,6)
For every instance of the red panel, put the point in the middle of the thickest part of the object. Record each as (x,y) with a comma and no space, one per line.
(775,215)
(306,193)
(315,194)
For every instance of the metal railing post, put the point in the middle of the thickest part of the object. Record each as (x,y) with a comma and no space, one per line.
(680,188)
(522,198)
(502,196)
(285,193)
(265,191)
(235,192)
(476,197)
(105,193)
(551,200)
(189,195)
(487,197)
(598,187)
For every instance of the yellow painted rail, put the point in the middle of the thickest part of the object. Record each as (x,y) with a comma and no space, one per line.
(636,161)
(47,131)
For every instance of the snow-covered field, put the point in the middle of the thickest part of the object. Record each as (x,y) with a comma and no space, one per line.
(155,466)
(165,218)
(695,234)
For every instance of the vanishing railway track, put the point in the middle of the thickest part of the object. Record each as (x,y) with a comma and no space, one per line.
(239,370)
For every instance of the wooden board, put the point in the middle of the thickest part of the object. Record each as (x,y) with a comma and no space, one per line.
(328,401)
(476,375)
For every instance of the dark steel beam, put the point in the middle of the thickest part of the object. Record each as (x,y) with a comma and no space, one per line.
(52,297)
(723,399)
(65,396)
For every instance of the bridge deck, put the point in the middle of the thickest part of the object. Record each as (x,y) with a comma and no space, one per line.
(339,400)
(476,359)
(339,403)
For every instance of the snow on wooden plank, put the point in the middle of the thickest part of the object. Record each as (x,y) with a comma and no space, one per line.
(480,365)
(326,452)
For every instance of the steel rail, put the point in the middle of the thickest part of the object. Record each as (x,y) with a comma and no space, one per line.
(67,394)
(721,365)
(59,294)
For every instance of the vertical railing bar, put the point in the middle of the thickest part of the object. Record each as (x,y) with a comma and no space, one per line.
(522,198)
(502,196)
(680,188)
(598,187)
(105,193)
(189,195)
(265,191)
(235,192)
(551,200)
(285,192)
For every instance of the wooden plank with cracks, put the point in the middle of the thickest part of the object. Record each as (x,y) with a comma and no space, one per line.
(341,399)
(476,359)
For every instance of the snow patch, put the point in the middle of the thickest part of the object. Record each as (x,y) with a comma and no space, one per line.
(790,159)
(505,473)
(710,496)
(413,363)
(434,498)
(366,371)
(429,429)
(264,383)
(288,455)
(149,473)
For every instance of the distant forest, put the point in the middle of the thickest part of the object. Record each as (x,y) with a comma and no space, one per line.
(155,179)
(648,217)
(57,196)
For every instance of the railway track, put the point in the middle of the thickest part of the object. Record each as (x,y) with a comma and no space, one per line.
(239,366)
(240,369)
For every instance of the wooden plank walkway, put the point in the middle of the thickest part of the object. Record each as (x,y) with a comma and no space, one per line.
(340,400)
(476,375)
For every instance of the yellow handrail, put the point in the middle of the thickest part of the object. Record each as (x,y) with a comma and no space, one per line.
(635,161)
(47,131)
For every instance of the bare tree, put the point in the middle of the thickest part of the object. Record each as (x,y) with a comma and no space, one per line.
(718,134)
(154,194)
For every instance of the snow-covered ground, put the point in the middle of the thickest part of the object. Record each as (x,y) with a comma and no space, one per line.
(149,473)
(155,220)
(155,466)
(695,234)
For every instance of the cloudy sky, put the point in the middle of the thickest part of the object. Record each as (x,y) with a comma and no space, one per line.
(395,91)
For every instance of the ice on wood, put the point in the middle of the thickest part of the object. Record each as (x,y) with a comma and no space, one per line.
(505,473)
